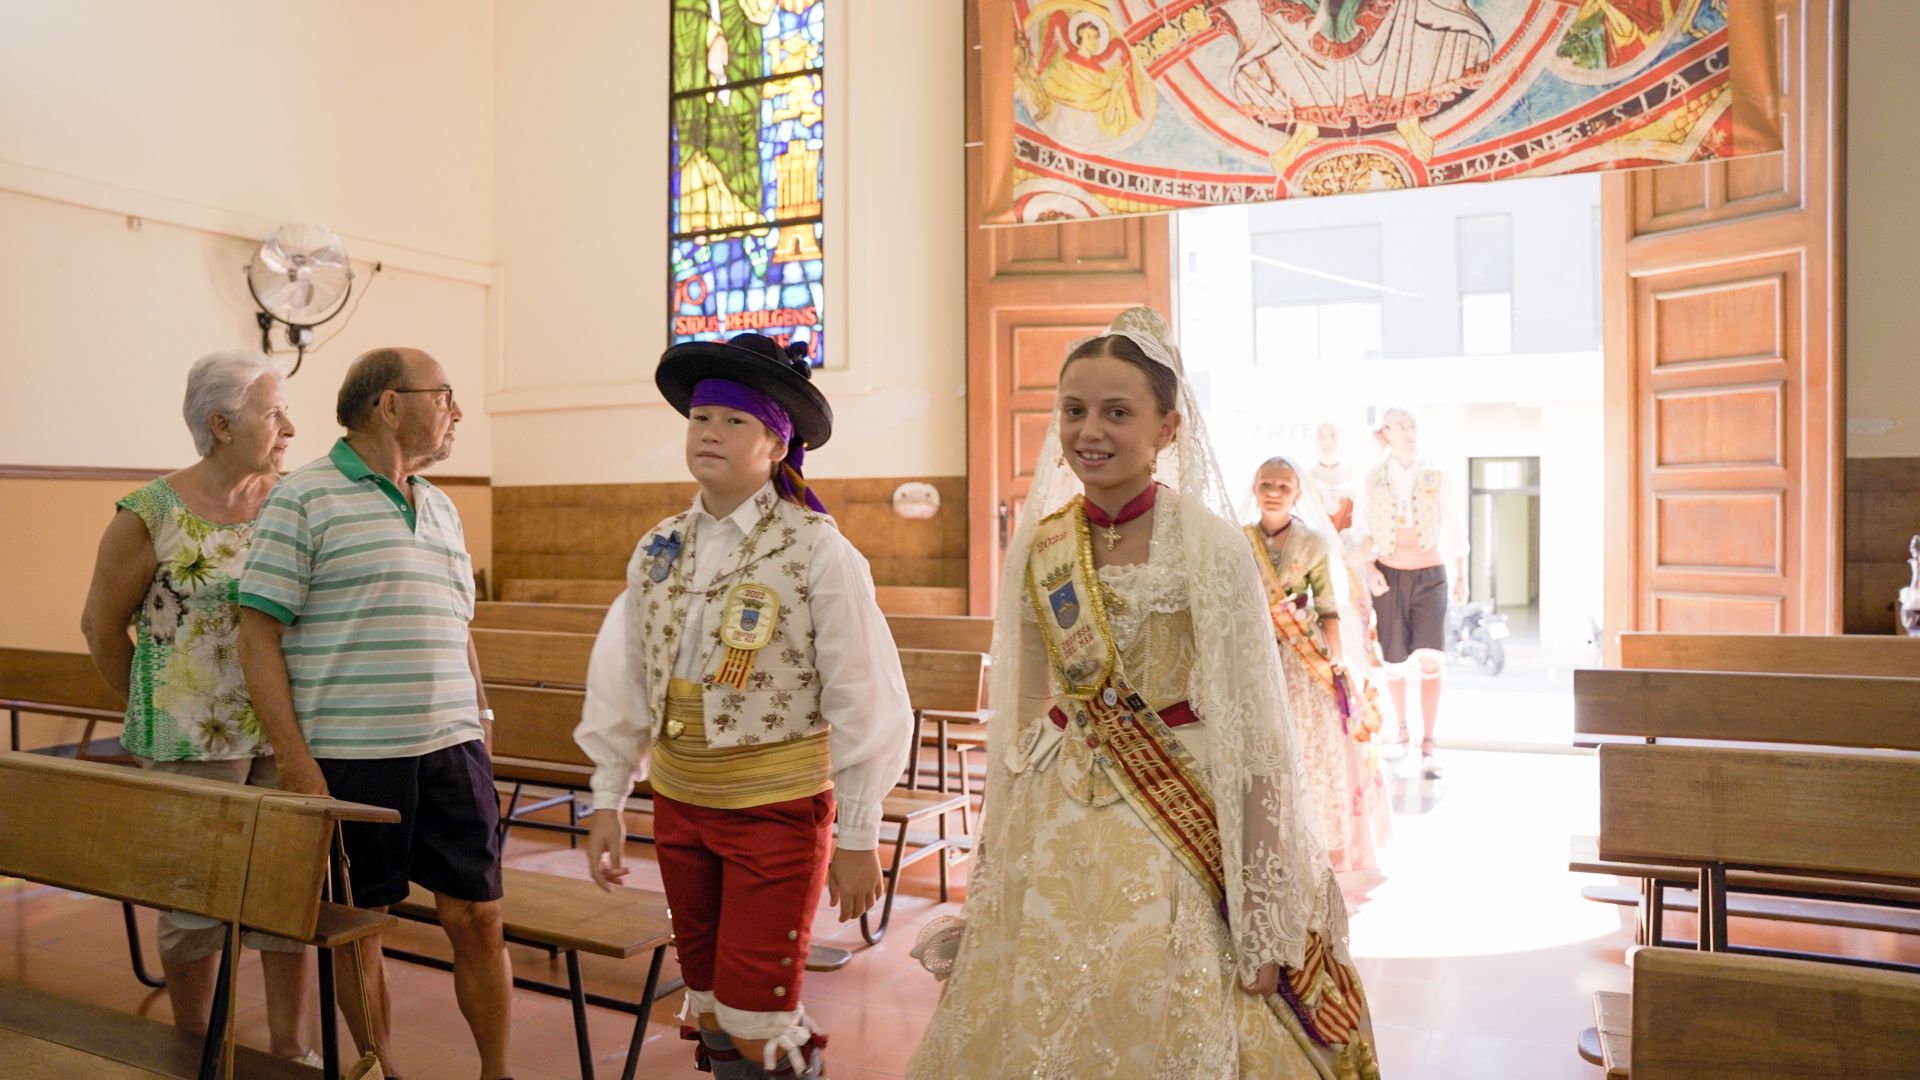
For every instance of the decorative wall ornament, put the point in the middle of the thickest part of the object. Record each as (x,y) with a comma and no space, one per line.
(916,501)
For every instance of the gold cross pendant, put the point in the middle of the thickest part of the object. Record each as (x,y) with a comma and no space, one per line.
(1113,536)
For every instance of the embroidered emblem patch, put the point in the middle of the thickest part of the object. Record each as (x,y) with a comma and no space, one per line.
(1066,605)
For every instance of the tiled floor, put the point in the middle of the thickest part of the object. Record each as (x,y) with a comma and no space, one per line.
(1478,954)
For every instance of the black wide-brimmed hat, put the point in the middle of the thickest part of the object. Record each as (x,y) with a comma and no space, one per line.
(756,361)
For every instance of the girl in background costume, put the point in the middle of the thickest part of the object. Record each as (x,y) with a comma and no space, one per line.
(1153,897)
(748,664)
(1334,712)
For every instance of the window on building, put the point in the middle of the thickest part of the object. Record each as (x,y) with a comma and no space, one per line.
(1338,331)
(748,170)
(1485,250)
(1317,295)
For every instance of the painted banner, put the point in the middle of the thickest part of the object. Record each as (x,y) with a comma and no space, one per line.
(1105,107)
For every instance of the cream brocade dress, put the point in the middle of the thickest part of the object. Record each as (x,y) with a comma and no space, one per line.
(1117,963)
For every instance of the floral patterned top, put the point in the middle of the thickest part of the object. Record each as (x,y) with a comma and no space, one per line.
(186,699)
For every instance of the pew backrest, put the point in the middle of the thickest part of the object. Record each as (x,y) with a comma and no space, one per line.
(226,851)
(536,723)
(30,677)
(961,633)
(562,590)
(1817,710)
(1796,654)
(533,657)
(944,680)
(1844,815)
(1726,1016)
(512,615)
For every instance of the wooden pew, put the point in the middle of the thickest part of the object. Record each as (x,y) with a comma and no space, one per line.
(573,916)
(1716,1016)
(1814,710)
(242,855)
(567,618)
(533,657)
(1718,810)
(562,590)
(961,633)
(1742,709)
(921,599)
(1784,654)
(64,684)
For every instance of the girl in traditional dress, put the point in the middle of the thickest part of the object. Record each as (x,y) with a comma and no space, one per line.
(1153,897)
(1334,712)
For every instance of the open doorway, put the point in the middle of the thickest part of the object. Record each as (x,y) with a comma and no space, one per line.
(1477,308)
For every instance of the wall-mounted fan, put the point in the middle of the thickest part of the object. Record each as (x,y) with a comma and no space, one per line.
(300,277)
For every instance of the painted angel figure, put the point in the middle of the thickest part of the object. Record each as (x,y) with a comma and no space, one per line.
(1352,65)
(1085,67)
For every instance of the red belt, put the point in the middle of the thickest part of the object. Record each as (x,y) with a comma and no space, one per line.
(1174,715)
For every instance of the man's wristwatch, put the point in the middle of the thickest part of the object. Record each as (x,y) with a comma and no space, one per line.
(486,715)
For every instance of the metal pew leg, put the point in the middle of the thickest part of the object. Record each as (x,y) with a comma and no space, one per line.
(133,949)
(873,936)
(213,1051)
(646,1009)
(577,993)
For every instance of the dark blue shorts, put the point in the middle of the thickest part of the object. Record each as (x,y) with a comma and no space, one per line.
(448,837)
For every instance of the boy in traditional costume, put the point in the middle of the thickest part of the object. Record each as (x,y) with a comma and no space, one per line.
(1335,710)
(749,663)
(1408,533)
(1153,897)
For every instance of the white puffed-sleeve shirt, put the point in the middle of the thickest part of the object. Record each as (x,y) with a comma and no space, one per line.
(863,695)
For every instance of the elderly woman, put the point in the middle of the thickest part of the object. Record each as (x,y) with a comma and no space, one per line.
(162,623)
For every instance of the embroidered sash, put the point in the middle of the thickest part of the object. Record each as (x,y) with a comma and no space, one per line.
(1154,773)
(1359,712)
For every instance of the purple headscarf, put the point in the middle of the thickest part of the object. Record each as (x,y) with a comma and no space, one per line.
(732,395)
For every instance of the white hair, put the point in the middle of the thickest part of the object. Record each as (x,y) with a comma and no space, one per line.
(218,383)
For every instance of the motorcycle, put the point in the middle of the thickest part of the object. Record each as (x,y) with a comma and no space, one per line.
(1477,631)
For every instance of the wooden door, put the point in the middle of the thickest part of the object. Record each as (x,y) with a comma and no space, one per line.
(1031,290)
(1724,356)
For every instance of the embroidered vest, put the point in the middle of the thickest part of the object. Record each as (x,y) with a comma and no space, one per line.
(1386,517)
(781,699)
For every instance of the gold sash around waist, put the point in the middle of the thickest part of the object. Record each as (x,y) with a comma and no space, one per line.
(687,770)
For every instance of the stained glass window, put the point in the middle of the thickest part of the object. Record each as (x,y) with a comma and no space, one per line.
(748,170)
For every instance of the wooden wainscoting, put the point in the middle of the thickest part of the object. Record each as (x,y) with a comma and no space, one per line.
(588,531)
(1883,514)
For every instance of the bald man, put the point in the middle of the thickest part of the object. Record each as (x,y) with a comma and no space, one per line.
(355,602)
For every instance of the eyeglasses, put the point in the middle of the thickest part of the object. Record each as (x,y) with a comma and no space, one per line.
(446,402)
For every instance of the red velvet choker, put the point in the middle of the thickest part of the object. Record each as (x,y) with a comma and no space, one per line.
(1139,505)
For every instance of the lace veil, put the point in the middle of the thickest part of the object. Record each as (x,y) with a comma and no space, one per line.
(1280,885)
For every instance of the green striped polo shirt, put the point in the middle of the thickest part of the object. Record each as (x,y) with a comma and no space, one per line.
(376,601)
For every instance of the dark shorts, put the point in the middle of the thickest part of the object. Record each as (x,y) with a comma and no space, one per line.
(1412,614)
(448,837)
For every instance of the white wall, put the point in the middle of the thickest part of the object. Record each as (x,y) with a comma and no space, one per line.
(371,117)
(581,159)
(1883,231)
(213,123)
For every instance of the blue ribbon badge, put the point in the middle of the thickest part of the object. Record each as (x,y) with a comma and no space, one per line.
(664,549)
